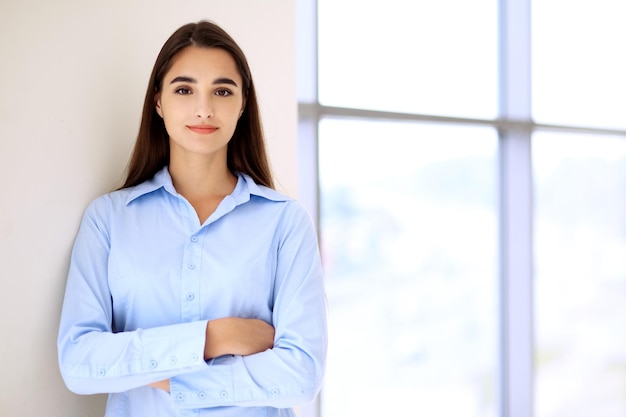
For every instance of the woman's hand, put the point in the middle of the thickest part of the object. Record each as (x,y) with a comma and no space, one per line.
(237,336)
(164,385)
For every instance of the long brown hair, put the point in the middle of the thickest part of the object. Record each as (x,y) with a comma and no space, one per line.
(246,149)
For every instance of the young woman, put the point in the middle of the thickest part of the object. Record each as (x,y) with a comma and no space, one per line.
(196,289)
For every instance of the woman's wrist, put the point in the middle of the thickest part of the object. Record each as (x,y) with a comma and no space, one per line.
(212,343)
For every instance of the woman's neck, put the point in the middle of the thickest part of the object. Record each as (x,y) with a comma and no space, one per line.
(203,183)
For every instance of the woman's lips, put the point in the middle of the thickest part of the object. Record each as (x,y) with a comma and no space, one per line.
(202,129)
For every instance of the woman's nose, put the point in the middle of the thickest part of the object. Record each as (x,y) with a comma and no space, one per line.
(204,108)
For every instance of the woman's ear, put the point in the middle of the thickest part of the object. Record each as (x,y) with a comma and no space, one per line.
(157,105)
(243,107)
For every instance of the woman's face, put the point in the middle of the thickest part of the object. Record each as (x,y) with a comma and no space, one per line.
(200,101)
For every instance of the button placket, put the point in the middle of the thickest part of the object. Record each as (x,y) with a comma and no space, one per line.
(190,282)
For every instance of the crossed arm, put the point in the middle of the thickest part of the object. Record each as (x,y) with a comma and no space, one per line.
(232,336)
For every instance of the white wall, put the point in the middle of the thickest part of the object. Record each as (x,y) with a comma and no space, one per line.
(72,78)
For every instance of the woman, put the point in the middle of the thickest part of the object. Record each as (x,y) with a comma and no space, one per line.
(196,289)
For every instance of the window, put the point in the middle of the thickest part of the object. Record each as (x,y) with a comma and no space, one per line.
(580,282)
(409,236)
(578,75)
(404,58)
(466,163)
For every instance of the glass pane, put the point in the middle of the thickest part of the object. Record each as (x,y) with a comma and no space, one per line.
(578,65)
(409,238)
(580,284)
(430,57)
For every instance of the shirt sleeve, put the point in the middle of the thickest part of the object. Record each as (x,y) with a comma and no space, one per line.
(92,357)
(291,373)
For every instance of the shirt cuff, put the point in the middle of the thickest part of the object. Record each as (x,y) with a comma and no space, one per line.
(164,352)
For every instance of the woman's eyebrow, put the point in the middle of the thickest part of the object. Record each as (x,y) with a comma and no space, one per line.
(183,79)
(225,80)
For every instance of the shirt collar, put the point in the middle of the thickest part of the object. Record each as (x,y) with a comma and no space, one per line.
(245,188)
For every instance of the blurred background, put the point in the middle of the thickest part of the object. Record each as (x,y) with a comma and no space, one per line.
(469,180)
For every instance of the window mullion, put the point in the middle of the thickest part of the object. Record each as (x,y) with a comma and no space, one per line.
(516,211)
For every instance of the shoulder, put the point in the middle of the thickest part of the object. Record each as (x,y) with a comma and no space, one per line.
(102,207)
(292,212)
(252,189)
(119,199)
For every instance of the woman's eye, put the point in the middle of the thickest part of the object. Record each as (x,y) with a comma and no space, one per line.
(182,90)
(223,92)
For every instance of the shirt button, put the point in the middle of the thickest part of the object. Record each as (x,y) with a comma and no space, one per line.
(153,364)
(194,238)
(191,266)
(275,392)
(224,394)
(194,357)
(202,395)
(102,372)
(180,396)
(190,296)
(173,360)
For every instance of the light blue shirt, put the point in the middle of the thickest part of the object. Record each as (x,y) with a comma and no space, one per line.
(145,277)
